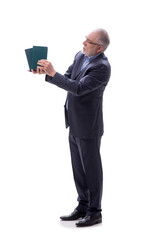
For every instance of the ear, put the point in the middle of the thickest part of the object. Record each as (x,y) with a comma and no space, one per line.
(99,49)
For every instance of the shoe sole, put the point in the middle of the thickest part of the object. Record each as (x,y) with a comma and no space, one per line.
(88,225)
(74,219)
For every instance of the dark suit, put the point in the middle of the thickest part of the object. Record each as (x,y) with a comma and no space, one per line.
(83,115)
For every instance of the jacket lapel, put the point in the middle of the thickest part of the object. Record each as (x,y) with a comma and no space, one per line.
(77,71)
(78,67)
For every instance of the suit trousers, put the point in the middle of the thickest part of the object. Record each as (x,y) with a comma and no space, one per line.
(87,173)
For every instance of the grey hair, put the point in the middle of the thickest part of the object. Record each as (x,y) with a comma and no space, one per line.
(103,38)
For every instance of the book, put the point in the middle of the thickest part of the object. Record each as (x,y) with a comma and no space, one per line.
(34,55)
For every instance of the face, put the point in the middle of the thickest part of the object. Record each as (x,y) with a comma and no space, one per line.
(91,46)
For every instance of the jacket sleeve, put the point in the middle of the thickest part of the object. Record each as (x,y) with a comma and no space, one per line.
(95,78)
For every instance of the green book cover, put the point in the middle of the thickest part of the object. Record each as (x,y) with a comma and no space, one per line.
(29,57)
(38,54)
(34,54)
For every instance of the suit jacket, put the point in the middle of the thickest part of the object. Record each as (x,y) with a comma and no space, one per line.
(85,95)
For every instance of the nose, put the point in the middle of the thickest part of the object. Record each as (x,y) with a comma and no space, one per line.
(85,43)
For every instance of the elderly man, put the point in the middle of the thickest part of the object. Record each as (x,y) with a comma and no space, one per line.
(85,81)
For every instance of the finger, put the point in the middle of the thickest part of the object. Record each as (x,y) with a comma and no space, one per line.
(42,62)
(40,70)
(33,71)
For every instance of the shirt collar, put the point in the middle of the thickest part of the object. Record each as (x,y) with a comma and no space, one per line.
(91,58)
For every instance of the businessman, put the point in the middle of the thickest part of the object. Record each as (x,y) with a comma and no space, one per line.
(85,81)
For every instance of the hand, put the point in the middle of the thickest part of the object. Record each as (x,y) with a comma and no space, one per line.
(45,68)
(39,70)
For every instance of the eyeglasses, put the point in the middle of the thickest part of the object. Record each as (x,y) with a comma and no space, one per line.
(90,42)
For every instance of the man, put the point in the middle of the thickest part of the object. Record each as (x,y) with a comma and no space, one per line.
(85,81)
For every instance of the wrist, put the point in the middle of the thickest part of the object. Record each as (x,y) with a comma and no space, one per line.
(53,74)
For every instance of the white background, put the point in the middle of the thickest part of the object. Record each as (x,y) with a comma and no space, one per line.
(36,184)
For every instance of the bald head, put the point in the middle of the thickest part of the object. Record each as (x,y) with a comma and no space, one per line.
(103,37)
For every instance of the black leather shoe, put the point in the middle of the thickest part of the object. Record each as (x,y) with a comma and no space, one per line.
(89,221)
(73,216)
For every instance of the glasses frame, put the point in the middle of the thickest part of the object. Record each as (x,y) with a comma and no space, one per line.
(90,42)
